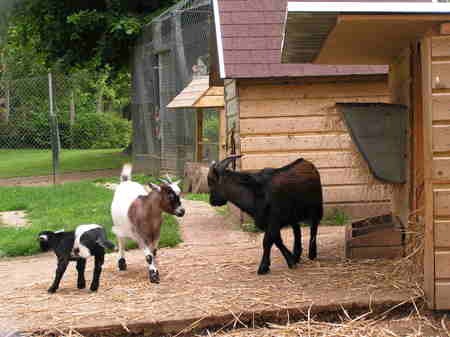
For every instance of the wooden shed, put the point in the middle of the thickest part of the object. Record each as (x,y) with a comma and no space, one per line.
(279,112)
(413,38)
(200,96)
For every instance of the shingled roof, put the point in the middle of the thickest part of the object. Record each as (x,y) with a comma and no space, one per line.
(249,34)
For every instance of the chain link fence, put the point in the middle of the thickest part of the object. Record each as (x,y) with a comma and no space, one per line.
(173,49)
(66,114)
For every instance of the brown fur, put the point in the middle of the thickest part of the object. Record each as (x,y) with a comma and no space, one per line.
(145,214)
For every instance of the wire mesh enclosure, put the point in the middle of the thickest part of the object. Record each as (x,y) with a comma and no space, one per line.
(172,50)
(67,114)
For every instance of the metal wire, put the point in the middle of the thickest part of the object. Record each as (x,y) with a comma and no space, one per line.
(171,51)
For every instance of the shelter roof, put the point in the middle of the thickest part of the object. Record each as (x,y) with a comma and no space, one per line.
(198,94)
(249,38)
(356,32)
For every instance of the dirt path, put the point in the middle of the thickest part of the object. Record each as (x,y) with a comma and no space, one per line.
(209,279)
(64,177)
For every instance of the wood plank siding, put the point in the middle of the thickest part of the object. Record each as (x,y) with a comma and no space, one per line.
(278,123)
(436,96)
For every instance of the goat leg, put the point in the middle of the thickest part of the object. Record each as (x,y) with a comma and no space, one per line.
(121,262)
(297,242)
(290,259)
(81,266)
(264,266)
(153,272)
(60,269)
(312,241)
(99,259)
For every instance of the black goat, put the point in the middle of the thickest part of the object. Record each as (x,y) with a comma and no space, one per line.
(275,198)
(78,245)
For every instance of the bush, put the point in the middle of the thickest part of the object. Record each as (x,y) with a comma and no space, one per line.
(90,131)
(100,131)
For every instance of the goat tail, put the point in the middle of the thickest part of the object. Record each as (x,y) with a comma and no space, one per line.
(125,175)
(104,242)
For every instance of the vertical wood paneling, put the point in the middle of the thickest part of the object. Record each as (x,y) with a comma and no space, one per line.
(429,277)
(280,123)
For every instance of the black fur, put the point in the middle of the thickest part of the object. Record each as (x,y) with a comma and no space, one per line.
(275,198)
(62,243)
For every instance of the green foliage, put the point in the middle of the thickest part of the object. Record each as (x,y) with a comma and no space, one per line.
(63,207)
(211,126)
(335,217)
(100,131)
(92,34)
(90,131)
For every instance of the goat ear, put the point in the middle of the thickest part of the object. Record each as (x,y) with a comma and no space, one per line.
(155,187)
(43,237)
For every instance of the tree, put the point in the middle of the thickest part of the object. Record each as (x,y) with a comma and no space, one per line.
(84,33)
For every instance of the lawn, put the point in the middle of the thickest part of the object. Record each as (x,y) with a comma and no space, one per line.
(25,163)
(63,207)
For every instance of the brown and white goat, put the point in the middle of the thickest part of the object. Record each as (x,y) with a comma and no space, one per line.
(137,215)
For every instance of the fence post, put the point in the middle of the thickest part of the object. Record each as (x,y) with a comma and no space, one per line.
(54,130)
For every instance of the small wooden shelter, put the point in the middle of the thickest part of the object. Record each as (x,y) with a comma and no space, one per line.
(414,39)
(199,95)
(276,113)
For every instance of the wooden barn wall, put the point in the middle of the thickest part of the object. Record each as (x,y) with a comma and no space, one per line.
(232,123)
(436,126)
(280,123)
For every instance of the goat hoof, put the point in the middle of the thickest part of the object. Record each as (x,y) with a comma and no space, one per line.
(94,287)
(51,290)
(81,285)
(122,264)
(262,270)
(292,265)
(154,276)
(312,256)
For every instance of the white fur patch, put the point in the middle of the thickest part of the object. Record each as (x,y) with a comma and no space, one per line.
(175,188)
(126,171)
(84,251)
(43,237)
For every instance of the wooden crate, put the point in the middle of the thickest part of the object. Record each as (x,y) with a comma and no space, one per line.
(375,237)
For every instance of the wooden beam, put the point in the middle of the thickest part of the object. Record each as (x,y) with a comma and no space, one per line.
(429,284)
(199,147)
(393,17)
(222,134)
(209,102)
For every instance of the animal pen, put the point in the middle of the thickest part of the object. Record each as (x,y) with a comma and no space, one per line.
(414,38)
(172,51)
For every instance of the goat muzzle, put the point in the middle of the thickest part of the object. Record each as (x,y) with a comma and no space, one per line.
(179,212)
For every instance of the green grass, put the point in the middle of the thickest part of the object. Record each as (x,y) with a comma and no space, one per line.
(198,197)
(63,207)
(222,210)
(335,217)
(25,163)
(140,178)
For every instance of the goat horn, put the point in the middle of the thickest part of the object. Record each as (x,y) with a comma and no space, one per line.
(164,181)
(227,161)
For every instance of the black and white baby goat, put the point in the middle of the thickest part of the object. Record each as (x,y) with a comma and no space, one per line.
(78,245)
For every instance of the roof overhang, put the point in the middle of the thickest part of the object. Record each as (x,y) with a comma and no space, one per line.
(198,94)
(356,32)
